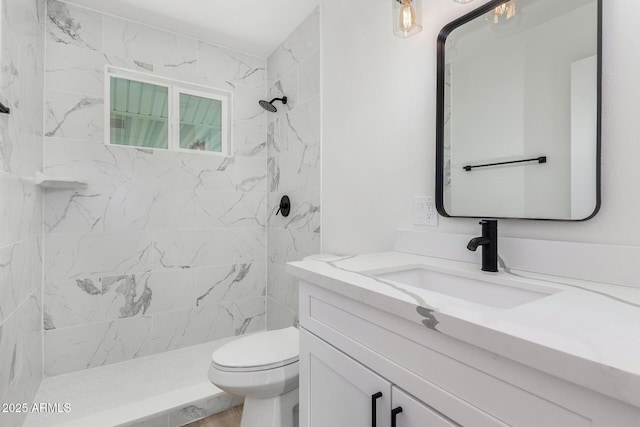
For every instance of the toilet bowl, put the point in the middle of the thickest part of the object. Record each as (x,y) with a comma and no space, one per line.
(263,368)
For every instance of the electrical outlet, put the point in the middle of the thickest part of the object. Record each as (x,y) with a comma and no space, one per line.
(424,211)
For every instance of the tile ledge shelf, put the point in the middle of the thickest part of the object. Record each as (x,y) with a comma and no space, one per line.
(60,182)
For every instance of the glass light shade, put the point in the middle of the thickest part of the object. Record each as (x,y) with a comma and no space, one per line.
(462,1)
(504,12)
(407,17)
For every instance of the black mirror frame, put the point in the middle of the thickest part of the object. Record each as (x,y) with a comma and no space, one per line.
(440,92)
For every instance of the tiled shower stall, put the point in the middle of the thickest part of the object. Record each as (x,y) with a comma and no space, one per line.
(162,249)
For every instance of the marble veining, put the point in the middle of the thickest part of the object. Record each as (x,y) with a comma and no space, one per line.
(418,299)
(87,346)
(235,276)
(293,159)
(203,409)
(78,207)
(127,287)
(430,319)
(306,215)
(88,301)
(207,247)
(235,68)
(280,316)
(548,334)
(508,270)
(283,288)
(20,266)
(87,285)
(21,210)
(78,255)
(193,326)
(162,249)
(72,303)
(8,340)
(75,26)
(23,213)
(72,116)
(128,39)
(249,316)
(250,139)
(237,209)
(273,171)
(9,83)
(302,42)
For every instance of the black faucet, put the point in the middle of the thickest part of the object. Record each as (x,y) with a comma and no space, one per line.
(489,243)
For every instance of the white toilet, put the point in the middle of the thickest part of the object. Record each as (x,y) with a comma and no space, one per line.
(263,368)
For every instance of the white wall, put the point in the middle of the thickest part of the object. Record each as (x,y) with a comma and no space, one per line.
(379,129)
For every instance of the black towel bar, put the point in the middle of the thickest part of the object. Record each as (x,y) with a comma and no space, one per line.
(542,159)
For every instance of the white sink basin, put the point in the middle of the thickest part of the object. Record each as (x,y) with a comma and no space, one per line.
(477,291)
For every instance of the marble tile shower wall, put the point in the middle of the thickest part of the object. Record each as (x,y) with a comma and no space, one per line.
(293,166)
(21,89)
(162,250)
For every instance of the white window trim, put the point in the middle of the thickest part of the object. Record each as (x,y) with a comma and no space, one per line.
(225,130)
(175,88)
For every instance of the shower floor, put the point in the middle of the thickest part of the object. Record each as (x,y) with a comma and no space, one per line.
(167,389)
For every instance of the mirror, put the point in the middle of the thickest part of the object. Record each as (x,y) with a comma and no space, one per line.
(518,126)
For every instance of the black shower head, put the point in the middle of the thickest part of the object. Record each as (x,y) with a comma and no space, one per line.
(269,105)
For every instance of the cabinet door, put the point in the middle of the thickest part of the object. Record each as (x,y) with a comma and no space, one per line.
(413,413)
(337,391)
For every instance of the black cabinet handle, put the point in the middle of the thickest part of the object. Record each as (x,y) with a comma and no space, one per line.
(394,414)
(374,413)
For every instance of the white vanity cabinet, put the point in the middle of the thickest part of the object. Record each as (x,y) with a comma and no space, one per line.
(343,393)
(413,413)
(350,351)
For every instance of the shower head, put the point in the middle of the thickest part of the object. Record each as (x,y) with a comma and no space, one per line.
(268,105)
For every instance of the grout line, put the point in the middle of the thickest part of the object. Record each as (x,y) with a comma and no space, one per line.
(42,229)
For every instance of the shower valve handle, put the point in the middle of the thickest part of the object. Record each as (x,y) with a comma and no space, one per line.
(285,206)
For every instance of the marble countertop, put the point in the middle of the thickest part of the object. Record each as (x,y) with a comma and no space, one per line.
(586,333)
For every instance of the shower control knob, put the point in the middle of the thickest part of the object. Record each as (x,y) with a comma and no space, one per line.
(285,206)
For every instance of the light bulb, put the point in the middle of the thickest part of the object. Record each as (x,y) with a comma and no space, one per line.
(407,16)
(507,9)
(511,9)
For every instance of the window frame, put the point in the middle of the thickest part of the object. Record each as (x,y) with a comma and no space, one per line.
(174,89)
(224,118)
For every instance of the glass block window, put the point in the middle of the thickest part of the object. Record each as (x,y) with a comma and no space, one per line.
(149,112)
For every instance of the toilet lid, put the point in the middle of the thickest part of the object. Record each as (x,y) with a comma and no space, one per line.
(257,352)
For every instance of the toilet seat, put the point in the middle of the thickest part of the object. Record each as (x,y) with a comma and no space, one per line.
(253,368)
(259,352)
(262,368)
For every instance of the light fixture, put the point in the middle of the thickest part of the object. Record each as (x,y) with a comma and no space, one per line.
(463,1)
(504,12)
(407,17)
